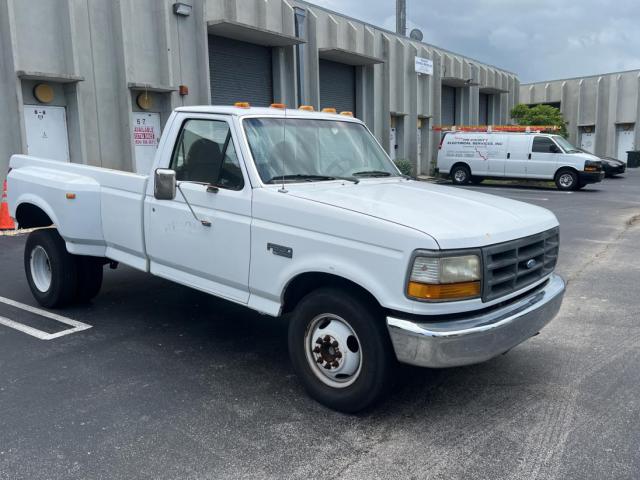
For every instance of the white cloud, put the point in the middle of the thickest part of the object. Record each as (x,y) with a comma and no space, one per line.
(539,40)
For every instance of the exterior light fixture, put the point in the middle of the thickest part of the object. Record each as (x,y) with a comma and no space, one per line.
(182,9)
(43,93)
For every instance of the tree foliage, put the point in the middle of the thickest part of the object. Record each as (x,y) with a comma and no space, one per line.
(539,115)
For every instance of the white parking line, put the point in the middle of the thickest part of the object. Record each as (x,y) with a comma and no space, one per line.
(77,326)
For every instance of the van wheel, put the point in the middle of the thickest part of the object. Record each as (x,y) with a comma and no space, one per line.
(89,277)
(460,175)
(566,180)
(51,270)
(340,349)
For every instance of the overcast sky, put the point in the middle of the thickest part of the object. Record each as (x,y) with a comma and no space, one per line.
(538,40)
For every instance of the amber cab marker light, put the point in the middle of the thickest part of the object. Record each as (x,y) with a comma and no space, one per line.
(329,110)
(71,196)
(183,90)
(347,114)
(444,291)
(278,105)
(242,105)
(306,108)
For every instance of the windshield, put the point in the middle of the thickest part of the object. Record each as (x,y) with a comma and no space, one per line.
(565,144)
(315,150)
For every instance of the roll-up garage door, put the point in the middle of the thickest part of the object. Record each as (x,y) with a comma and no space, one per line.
(448,105)
(483,109)
(239,72)
(337,86)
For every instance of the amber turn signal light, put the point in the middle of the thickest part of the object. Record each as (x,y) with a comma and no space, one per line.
(242,105)
(443,291)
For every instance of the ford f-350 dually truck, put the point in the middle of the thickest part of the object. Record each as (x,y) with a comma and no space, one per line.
(302,214)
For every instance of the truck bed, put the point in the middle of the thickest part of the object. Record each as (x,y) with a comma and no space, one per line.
(104,219)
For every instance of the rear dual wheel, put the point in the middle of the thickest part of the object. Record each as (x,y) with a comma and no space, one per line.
(56,277)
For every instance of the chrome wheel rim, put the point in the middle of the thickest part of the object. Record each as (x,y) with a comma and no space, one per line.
(333,350)
(566,180)
(40,269)
(460,175)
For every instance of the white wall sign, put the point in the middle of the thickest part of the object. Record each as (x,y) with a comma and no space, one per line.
(146,135)
(424,66)
(46,130)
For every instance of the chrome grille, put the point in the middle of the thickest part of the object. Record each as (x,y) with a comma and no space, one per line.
(513,265)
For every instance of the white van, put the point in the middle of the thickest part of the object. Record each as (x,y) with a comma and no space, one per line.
(472,157)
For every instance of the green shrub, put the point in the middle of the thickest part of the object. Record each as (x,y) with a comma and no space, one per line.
(404,166)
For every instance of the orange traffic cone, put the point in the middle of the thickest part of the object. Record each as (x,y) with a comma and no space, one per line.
(6,222)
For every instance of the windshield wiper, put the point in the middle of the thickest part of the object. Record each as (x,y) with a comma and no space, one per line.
(372,173)
(309,178)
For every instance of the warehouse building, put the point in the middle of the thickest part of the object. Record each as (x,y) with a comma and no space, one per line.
(94,81)
(602,111)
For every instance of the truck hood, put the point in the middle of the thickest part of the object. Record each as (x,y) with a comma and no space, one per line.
(453,217)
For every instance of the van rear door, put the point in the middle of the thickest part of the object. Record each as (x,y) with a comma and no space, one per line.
(517,155)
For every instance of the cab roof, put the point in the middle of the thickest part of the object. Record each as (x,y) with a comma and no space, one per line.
(265,112)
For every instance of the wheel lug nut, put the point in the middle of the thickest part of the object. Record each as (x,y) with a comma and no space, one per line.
(316,350)
(328,366)
(335,364)
(318,340)
(338,354)
(327,338)
(334,344)
(319,360)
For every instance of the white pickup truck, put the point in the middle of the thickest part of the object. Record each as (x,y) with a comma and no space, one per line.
(302,214)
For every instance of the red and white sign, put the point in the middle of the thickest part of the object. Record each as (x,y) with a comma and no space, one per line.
(146,135)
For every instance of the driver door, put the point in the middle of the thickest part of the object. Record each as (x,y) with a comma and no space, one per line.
(214,258)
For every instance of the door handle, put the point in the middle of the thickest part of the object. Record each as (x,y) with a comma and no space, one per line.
(508,155)
(529,156)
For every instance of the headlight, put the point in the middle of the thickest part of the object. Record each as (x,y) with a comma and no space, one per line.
(592,166)
(444,278)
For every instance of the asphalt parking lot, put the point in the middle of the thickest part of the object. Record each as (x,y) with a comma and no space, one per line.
(170,383)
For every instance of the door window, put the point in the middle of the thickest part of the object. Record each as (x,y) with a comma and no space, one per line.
(205,153)
(543,145)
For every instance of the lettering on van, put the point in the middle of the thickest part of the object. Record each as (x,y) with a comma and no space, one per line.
(473,147)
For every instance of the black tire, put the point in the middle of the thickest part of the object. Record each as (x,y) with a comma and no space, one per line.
(460,175)
(567,180)
(477,180)
(61,289)
(372,380)
(89,277)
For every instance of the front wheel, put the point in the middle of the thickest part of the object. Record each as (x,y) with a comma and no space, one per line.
(567,180)
(340,349)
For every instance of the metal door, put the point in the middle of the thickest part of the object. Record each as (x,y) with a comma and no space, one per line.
(588,139)
(337,86)
(625,140)
(46,130)
(239,72)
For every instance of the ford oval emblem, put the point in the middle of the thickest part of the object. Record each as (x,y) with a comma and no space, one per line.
(531,263)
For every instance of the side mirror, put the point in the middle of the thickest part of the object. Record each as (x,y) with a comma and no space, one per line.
(165,184)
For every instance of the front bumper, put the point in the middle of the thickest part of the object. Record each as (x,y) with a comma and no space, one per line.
(590,177)
(476,338)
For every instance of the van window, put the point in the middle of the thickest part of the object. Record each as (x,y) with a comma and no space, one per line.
(542,145)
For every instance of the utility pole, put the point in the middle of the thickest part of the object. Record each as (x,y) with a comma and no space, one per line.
(401,17)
